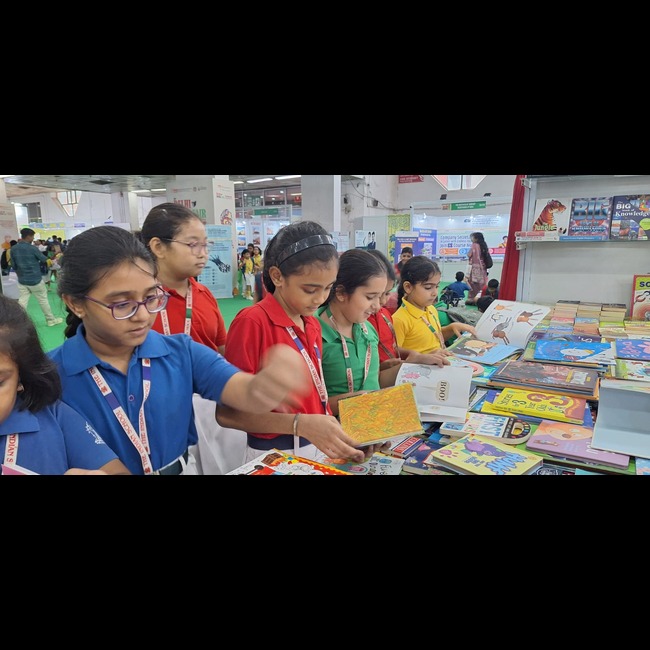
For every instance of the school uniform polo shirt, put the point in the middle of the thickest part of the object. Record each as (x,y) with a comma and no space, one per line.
(387,340)
(411,330)
(256,328)
(208,326)
(334,361)
(53,440)
(179,368)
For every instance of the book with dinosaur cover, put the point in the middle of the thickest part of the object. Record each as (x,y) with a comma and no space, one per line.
(441,393)
(480,455)
(572,441)
(382,415)
(630,217)
(507,429)
(551,378)
(542,405)
(589,219)
(276,462)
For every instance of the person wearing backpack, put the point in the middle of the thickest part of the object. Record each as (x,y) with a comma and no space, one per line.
(5,258)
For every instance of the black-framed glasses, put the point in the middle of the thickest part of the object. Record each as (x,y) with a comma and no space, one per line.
(127,308)
(195,246)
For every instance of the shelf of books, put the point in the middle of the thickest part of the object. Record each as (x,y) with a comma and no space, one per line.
(565,390)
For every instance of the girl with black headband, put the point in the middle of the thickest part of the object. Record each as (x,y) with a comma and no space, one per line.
(300,267)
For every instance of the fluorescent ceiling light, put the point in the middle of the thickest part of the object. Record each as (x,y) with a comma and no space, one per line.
(6,175)
(259,180)
(236,182)
(162,189)
(284,178)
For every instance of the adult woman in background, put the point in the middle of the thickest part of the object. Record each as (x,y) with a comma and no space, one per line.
(477,266)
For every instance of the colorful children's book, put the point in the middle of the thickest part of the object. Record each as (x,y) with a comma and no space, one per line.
(481,455)
(507,429)
(572,441)
(552,469)
(441,393)
(405,447)
(637,349)
(378,464)
(633,370)
(589,219)
(414,464)
(574,352)
(278,462)
(640,302)
(630,217)
(543,405)
(471,347)
(642,466)
(552,215)
(382,415)
(552,378)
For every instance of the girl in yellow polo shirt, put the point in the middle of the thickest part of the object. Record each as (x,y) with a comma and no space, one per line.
(416,320)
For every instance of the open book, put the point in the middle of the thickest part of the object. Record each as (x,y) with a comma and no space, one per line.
(501,331)
(441,393)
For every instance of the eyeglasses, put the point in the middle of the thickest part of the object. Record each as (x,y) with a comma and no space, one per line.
(127,308)
(195,246)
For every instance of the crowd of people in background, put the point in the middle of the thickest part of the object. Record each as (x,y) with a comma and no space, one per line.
(142,334)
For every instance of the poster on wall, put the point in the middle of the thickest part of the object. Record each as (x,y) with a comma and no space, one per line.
(456,243)
(8,226)
(218,273)
(404,238)
(396,223)
(341,240)
(361,238)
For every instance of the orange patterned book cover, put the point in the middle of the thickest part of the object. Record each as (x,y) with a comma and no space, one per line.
(380,415)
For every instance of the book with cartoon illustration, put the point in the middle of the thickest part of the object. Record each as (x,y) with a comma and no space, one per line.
(480,455)
(572,441)
(378,464)
(640,301)
(636,349)
(415,464)
(574,352)
(381,415)
(561,408)
(441,393)
(276,462)
(552,215)
(507,429)
(632,370)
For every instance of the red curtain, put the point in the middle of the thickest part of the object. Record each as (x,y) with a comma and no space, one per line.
(508,284)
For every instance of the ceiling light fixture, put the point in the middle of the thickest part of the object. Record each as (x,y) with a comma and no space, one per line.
(259,180)
(285,178)
(237,182)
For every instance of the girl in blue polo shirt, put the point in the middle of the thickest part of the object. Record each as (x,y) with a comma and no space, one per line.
(39,434)
(134,384)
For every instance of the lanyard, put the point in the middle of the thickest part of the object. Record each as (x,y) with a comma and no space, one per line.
(188,314)
(438,333)
(394,354)
(346,354)
(316,375)
(11,450)
(139,441)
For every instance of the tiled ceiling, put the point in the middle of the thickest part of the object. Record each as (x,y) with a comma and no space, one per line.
(19,186)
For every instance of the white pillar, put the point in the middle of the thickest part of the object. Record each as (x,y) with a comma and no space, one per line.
(321,200)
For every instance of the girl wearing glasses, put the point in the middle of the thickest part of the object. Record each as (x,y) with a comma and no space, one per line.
(134,385)
(177,239)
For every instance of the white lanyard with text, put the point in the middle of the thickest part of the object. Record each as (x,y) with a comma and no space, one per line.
(346,355)
(316,375)
(188,314)
(140,441)
(11,450)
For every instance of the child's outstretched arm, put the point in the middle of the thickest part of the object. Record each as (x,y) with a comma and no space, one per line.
(283,372)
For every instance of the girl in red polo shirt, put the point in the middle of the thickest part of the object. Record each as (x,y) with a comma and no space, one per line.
(300,267)
(390,353)
(178,241)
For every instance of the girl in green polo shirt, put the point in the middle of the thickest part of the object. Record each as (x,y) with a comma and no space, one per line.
(350,343)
